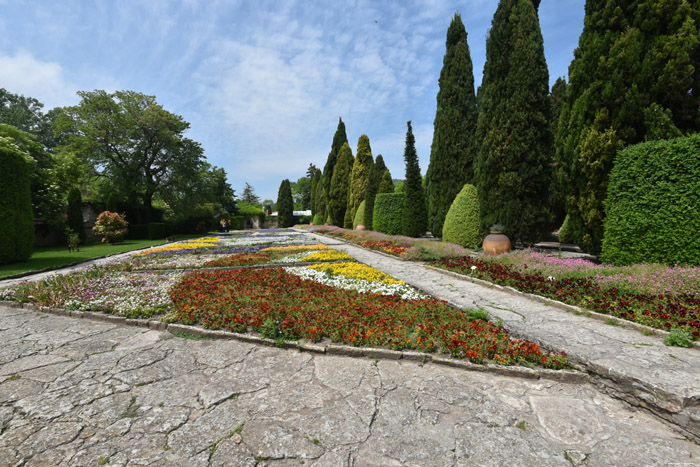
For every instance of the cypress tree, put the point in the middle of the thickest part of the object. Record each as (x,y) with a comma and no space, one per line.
(387,185)
(453,149)
(360,177)
(414,215)
(285,205)
(513,168)
(75,213)
(16,217)
(340,185)
(379,168)
(634,77)
(314,184)
(370,194)
(557,198)
(339,138)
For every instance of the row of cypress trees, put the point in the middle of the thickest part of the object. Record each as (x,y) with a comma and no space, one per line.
(536,156)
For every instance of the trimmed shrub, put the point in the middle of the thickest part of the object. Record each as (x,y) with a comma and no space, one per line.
(111,226)
(462,222)
(388,213)
(75,213)
(653,204)
(565,233)
(359,216)
(137,232)
(157,230)
(16,218)
(318,219)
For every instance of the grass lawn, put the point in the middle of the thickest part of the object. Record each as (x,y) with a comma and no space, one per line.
(53,256)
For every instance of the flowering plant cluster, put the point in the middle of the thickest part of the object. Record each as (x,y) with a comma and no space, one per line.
(264,299)
(327,255)
(296,248)
(659,310)
(356,271)
(185,245)
(111,227)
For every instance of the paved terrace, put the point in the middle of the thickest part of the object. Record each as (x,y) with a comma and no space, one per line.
(622,361)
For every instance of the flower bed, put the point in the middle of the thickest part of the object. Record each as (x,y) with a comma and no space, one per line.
(327,255)
(659,310)
(356,271)
(281,305)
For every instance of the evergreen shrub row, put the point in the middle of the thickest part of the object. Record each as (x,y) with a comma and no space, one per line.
(388,213)
(16,218)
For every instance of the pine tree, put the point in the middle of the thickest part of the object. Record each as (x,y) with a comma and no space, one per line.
(340,185)
(453,148)
(370,194)
(414,215)
(339,138)
(75,213)
(249,195)
(387,185)
(360,176)
(513,168)
(634,77)
(285,205)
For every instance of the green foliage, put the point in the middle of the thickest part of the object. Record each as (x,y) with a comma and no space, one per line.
(249,196)
(359,216)
(340,185)
(454,147)
(361,172)
(557,195)
(16,218)
(25,114)
(565,233)
(388,213)
(285,205)
(634,78)
(75,213)
(513,169)
(318,220)
(462,223)
(157,230)
(112,204)
(370,194)
(678,338)
(347,220)
(323,198)
(379,169)
(387,185)
(301,193)
(415,218)
(653,204)
(315,183)
(111,227)
(137,232)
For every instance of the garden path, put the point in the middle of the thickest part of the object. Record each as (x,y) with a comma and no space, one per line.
(625,363)
(83,392)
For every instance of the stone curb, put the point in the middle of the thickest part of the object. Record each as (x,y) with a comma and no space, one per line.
(563,376)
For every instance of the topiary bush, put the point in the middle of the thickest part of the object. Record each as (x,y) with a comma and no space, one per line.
(462,222)
(111,227)
(653,204)
(388,213)
(16,218)
(359,216)
(566,235)
(318,219)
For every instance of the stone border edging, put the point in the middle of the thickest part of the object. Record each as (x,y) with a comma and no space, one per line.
(513,291)
(562,376)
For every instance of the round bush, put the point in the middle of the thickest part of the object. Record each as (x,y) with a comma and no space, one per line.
(462,223)
(111,226)
(388,213)
(16,218)
(653,204)
(359,216)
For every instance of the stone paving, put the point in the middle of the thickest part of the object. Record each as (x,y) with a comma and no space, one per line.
(82,392)
(625,363)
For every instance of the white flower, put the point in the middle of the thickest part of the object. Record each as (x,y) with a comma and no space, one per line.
(550,278)
(474,267)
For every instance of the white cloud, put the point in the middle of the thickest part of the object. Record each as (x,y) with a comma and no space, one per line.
(45,81)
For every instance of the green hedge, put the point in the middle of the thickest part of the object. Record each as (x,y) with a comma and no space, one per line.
(359,216)
(16,218)
(137,232)
(653,204)
(462,222)
(157,230)
(388,213)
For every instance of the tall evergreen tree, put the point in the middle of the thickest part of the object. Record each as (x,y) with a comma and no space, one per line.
(370,194)
(340,186)
(285,205)
(513,168)
(557,197)
(414,215)
(75,213)
(634,77)
(315,182)
(387,185)
(379,168)
(360,177)
(453,149)
(249,195)
(339,138)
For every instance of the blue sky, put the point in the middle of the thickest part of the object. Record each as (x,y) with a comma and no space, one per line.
(262,83)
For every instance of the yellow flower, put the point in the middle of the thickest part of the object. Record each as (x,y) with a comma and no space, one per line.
(357,271)
(184,245)
(320,246)
(328,255)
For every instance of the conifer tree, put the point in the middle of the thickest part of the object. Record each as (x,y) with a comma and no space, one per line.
(379,168)
(370,194)
(339,138)
(414,215)
(315,182)
(75,213)
(387,185)
(453,149)
(360,176)
(285,205)
(634,77)
(340,185)
(513,168)
(557,197)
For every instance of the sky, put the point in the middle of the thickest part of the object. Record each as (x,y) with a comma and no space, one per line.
(263,83)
